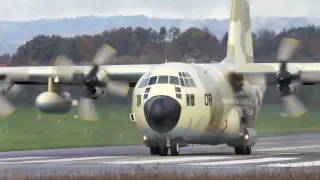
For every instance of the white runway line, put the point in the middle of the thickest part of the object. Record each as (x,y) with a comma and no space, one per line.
(167,160)
(287,148)
(22,158)
(300,164)
(61,160)
(235,162)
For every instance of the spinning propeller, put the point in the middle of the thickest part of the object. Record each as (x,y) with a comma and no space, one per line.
(284,78)
(95,78)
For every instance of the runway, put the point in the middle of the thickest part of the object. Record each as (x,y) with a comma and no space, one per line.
(273,152)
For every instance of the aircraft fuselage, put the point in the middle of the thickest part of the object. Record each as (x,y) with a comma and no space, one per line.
(192,104)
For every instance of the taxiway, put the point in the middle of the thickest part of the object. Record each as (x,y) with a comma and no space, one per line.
(272,152)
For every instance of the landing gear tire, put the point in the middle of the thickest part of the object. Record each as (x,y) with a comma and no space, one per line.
(163,149)
(244,150)
(174,149)
(154,150)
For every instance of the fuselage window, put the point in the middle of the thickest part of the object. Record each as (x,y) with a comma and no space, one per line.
(174,80)
(187,75)
(182,82)
(180,74)
(138,100)
(152,80)
(183,74)
(190,99)
(187,99)
(163,80)
(147,90)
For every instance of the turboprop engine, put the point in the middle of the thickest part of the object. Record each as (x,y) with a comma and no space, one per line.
(54,103)
(95,92)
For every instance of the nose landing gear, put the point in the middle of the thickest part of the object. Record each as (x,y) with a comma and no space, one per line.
(162,147)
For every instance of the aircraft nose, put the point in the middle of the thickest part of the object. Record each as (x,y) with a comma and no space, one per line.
(162,113)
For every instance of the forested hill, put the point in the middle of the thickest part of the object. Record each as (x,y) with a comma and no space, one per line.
(16,33)
(140,45)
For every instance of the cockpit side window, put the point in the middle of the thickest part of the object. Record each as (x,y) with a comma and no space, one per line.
(193,84)
(144,81)
(163,80)
(153,80)
(187,82)
(174,80)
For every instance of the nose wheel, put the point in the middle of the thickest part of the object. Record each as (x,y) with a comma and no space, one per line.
(162,148)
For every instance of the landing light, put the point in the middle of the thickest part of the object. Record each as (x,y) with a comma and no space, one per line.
(246,137)
(56,79)
(144,138)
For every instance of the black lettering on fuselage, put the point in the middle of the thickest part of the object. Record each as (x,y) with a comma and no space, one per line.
(208,99)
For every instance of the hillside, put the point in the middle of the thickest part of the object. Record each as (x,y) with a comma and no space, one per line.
(16,33)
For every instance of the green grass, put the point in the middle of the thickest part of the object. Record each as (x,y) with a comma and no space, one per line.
(23,130)
(271,122)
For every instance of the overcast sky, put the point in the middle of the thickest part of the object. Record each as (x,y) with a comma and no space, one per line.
(35,9)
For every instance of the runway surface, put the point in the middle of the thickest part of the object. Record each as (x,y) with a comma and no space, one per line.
(273,152)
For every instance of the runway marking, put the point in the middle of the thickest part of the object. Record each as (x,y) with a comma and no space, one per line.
(22,158)
(287,148)
(244,161)
(287,153)
(168,160)
(60,160)
(300,164)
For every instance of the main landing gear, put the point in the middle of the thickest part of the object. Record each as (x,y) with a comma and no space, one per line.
(162,148)
(244,150)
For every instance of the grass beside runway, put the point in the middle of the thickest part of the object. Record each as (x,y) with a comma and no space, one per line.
(25,130)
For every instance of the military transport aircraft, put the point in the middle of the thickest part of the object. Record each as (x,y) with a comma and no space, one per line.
(175,104)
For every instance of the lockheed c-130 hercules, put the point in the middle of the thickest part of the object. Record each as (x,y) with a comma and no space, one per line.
(175,104)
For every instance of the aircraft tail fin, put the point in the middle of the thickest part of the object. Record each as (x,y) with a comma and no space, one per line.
(240,45)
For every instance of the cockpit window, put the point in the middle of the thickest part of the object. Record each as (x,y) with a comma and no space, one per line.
(182,82)
(163,80)
(193,84)
(187,82)
(174,80)
(153,80)
(187,79)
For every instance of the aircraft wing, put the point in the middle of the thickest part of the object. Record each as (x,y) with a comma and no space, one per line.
(34,75)
(307,73)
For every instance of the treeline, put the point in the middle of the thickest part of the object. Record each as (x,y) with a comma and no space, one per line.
(139,46)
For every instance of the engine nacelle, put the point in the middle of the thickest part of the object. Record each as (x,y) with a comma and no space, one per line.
(54,103)
(5,86)
(95,92)
(291,89)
